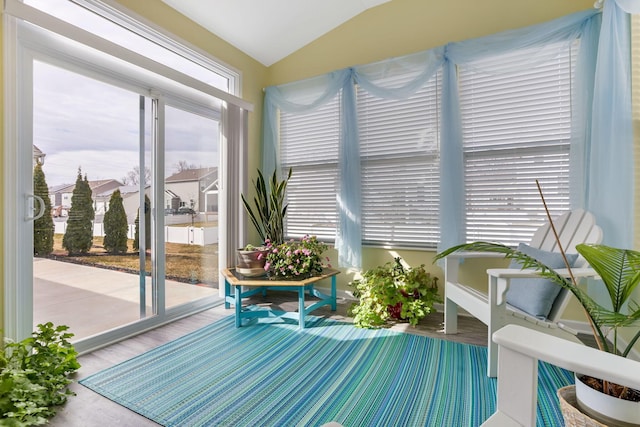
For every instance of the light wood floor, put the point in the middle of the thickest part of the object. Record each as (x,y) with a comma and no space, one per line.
(89,409)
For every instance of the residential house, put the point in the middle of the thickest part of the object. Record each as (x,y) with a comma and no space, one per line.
(392,29)
(38,156)
(193,188)
(60,195)
(130,200)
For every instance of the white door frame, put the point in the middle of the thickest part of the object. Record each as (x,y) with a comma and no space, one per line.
(18,182)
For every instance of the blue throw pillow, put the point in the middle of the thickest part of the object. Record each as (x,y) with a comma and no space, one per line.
(535,296)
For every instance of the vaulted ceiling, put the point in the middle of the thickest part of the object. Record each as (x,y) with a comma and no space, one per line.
(270,30)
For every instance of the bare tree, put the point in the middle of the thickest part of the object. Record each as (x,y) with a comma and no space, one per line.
(133,176)
(183,165)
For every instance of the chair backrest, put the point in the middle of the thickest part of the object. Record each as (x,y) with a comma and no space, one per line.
(574,227)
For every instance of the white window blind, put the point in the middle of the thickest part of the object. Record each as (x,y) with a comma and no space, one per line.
(516,129)
(399,149)
(309,144)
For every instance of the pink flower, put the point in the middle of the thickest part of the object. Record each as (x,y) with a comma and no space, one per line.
(267,265)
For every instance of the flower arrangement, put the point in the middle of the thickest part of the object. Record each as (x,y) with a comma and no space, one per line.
(296,259)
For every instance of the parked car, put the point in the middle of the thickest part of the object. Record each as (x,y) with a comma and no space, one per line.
(185,210)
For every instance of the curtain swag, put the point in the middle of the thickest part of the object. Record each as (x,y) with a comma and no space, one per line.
(601,142)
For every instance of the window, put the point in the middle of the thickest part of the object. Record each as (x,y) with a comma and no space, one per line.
(156,114)
(400,166)
(310,145)
(135,35)
(516,130)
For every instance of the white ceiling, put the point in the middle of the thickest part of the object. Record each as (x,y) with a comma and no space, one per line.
(270,30)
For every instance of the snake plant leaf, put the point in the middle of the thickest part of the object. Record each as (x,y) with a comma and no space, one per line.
(269,210)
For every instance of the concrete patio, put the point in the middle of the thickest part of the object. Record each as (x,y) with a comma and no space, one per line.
(91,300)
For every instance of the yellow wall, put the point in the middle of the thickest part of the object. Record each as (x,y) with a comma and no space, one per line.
(1,168)
(400,27)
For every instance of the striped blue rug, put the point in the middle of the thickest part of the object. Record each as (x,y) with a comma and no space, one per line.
(276,375)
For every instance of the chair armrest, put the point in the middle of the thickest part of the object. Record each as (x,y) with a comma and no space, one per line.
(569,355)
(520,350)
(471,254)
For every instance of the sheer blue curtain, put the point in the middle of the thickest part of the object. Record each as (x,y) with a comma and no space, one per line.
(544,41)
(609,191)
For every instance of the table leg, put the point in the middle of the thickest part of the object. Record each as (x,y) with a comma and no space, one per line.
(333,293)
(238,299)
(301,321)
(227,293)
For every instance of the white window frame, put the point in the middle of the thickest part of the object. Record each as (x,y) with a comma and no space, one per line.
(516,129)
(400,167)
(313,157)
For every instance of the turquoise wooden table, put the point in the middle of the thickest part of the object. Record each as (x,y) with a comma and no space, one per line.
(260,284)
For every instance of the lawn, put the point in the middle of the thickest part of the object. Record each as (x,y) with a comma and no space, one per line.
(186,263)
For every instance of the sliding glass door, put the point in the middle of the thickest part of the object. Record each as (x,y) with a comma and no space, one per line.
(134,173)
(89,135)
(121,172)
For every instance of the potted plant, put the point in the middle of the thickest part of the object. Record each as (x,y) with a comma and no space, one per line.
(267,216)
(295,259)
(393,292)
(619,270)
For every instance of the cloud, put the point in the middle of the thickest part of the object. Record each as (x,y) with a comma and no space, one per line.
(82,122)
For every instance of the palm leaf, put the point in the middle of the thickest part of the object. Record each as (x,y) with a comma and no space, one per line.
(619,269)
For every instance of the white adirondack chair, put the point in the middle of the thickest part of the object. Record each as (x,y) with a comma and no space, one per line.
(491,308)
(521,348)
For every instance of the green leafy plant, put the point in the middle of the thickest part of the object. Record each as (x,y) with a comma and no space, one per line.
(393,292)
(270,209)
(35,376)
(619,270)
(295,259)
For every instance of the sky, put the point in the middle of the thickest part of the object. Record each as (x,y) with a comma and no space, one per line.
(83,123)
(80,122)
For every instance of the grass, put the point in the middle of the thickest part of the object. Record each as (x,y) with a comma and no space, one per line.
(185,263)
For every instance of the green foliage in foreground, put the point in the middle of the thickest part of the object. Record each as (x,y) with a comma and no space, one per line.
(35,376)
(393,292)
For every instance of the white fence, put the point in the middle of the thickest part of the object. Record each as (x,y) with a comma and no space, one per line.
(186,235)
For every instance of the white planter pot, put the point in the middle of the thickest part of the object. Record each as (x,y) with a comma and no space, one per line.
(607,409)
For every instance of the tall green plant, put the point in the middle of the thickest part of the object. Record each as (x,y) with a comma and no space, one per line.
(270,209)
(78,237)
(115,226)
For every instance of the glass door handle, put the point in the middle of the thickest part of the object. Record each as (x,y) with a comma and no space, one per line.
(31,199)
